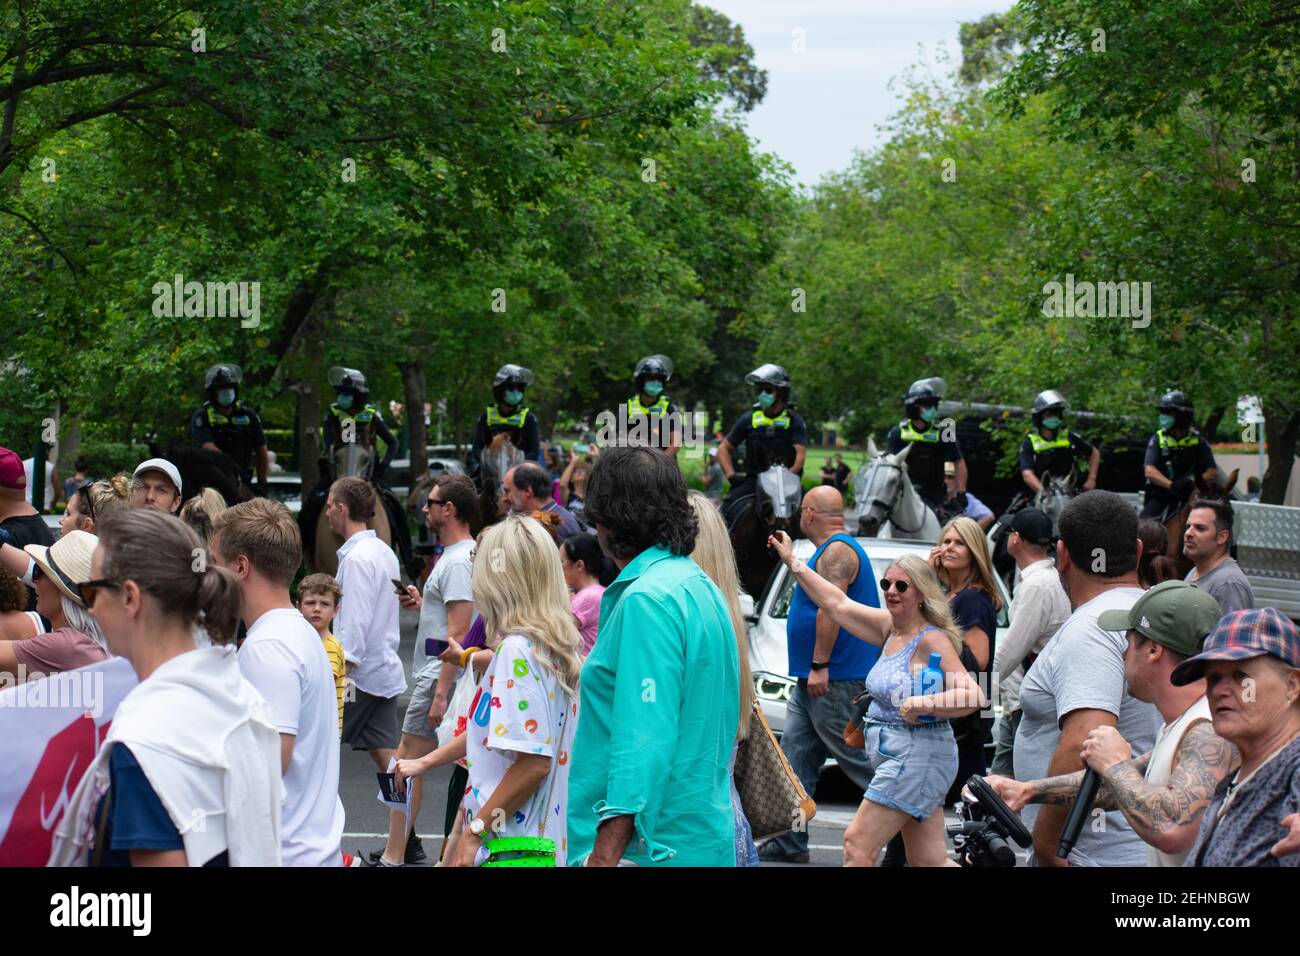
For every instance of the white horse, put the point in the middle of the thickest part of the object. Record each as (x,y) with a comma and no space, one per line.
(887,505)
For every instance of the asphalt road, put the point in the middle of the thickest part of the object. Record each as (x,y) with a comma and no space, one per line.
(366,823)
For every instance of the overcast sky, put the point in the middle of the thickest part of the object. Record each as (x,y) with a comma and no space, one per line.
(825,101)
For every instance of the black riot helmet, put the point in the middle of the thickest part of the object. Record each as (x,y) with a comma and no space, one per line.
(653,366)
(774,376)
(1176,404)
(344,379)
(923,393)
(221,376)
(510,377)
(1045,403)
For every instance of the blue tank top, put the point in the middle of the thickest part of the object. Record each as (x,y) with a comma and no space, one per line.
(851,658)
(891,682)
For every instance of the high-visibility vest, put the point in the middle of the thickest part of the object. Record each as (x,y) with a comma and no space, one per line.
(496,420)
(363,417)
(1040,444)
(1169,447)
(760,420)
(908,433)
(634,406)
(216,418)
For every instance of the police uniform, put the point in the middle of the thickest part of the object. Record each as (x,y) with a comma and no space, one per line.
(1056,456)
(1176,458)
(925,460)
(768,441)
(368,424)
(658,430)
(238,434)
(521,426)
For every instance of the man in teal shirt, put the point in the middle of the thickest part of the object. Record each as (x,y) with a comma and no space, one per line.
(649,782)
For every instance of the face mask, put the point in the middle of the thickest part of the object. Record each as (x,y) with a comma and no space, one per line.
(1052,424)
(225,396)
(929,413)
(514,397)
(344,400)
(1165,422)
(654,389)
(766,399)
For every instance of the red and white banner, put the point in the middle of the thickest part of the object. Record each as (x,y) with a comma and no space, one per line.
(50,731)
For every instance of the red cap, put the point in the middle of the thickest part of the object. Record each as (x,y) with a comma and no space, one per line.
(11,470)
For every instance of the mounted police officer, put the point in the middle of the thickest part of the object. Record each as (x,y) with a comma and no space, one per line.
(1175,455)
(225,424)
(352,405)
(931,447)
(772,432)
(506,418)
(1051,448)
(652,406)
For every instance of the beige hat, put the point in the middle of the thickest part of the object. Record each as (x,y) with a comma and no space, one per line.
(67,561)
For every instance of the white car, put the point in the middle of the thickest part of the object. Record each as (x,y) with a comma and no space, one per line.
(768,654)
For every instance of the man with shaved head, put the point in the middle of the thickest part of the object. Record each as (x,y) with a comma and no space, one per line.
(830,664)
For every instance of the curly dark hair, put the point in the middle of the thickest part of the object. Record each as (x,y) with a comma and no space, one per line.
(638,495)
(13,595)
(1100,526)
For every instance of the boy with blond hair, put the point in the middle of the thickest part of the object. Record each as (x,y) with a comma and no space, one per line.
(318,600)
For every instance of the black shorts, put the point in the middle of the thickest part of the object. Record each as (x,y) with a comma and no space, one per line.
(370,722)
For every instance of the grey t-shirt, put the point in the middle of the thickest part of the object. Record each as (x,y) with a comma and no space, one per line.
(1082,667)
(448,581)
(1251,824)
(1226,583)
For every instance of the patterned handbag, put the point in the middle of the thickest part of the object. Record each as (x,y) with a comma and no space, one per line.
(771,795)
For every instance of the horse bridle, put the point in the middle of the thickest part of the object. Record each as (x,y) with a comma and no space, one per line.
(888,507)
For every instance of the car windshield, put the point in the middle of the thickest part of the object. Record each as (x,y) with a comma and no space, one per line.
(781,605)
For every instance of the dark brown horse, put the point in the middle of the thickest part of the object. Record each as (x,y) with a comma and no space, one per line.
(750,520)
(1176,523)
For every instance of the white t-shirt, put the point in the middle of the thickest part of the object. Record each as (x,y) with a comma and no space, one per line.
(284,658)
(29,469)
(519,707)
(448,581)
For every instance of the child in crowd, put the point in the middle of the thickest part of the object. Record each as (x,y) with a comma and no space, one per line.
(318,600)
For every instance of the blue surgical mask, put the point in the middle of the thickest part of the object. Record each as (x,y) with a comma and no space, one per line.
(225,396)
(654,388)
(766,399)
(344,401)
(1165,422)
(1052,424)
(929,413)
(514,396)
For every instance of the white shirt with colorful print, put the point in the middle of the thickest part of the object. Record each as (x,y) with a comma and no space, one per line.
(518,708)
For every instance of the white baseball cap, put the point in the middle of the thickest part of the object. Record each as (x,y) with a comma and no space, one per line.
(163,465)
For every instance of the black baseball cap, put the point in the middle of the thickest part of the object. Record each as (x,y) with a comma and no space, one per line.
(1033,525)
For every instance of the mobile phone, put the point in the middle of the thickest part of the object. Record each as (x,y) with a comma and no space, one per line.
(399,585)
(433,647)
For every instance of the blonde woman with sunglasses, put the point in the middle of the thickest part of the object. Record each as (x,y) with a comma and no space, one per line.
(910,742)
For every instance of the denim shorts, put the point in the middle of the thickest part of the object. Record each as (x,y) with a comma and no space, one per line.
(913,765)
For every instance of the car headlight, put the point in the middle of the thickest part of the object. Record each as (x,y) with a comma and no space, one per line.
(773,687)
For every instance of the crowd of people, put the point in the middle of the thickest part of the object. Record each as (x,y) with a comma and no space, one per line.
(581,661)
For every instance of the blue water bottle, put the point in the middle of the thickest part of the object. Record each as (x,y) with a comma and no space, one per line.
(930,681)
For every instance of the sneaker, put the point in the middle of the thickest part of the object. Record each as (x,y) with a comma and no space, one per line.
(415,854)
(374,859)
(771,853)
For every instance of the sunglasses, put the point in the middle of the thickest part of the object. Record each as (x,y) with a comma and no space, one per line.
(434,502)
(87,499)
(90,589)
(887,583)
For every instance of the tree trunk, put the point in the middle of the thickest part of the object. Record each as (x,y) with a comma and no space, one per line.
(413,387)
(309,407)
(1212,422)
(1282,434)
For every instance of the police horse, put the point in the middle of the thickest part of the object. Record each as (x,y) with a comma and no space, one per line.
(886,503)
(352,459)
(751,518)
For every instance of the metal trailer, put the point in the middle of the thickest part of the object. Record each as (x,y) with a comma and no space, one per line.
(1267,539)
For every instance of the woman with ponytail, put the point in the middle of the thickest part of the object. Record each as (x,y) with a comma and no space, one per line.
(189,774)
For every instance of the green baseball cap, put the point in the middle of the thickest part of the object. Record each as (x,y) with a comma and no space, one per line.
(1173,614)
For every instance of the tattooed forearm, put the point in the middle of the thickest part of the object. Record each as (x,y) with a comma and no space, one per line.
(1157,811)
(1061,791)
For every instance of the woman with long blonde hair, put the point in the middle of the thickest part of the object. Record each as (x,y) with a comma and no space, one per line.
(716,558)
(961,560)
(525,709)
(910,742)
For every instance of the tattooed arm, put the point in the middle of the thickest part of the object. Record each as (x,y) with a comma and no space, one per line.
(1168,817)
(1061,790)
